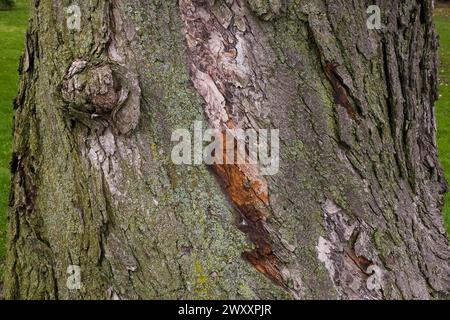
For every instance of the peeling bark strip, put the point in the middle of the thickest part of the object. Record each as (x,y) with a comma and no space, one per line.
(349,265)
(219,72)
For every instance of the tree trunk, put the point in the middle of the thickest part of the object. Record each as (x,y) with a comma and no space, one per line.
(353,213)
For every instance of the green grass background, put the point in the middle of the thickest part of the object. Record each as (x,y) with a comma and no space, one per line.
(442,20)
(12,28)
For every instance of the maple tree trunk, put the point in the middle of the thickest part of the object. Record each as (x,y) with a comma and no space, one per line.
(354,212)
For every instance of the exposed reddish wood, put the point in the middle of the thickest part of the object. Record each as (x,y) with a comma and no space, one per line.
(249,193)
(209,45)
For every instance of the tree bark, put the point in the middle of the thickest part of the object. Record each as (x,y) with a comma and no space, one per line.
(354,212)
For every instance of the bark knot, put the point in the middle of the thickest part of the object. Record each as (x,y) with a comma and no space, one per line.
(102,92)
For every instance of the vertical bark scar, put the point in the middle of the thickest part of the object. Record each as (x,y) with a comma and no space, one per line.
(219,71)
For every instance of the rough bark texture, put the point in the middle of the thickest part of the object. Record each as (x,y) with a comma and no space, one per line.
(354,213)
